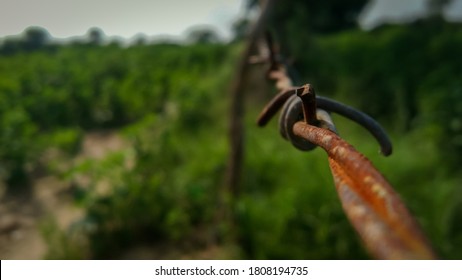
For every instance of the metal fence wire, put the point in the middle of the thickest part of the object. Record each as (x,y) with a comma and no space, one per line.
(381,219)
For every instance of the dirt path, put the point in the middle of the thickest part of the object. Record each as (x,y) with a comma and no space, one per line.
(21,217)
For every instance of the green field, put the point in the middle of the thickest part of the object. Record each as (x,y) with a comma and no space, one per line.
(170,104)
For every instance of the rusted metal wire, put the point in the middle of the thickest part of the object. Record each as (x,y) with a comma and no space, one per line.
(375,210)
(385,225)
(329,105)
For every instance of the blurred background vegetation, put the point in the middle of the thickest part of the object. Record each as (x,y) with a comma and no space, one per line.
(168,102)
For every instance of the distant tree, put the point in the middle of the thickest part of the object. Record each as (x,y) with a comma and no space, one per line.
(35,37)
(203,35)
(314,15)
(240,28)
(95,36)
(9,45)
(140,40)
(436,7)
(115,42)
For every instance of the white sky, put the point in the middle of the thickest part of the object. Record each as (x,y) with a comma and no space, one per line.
(126,18)
(399,11)
(378,11)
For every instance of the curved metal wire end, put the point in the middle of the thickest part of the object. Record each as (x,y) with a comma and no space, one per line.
(274,105)
(306,94)
(359,117)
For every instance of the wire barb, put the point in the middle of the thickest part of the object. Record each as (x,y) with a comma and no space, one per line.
(308,98)
(374,209)
(329,105)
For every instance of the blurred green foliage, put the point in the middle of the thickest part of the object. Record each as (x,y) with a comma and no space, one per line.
(407,76)
(170,102)
(312,16)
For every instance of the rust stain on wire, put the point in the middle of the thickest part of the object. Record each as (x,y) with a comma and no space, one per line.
(320,102)
(375,210)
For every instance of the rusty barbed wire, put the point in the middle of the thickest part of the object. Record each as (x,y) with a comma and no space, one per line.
(385,225)
(292,107)
(375,210)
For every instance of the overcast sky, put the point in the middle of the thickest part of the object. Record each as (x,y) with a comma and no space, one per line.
(399,11)
(126,18)
(65,18)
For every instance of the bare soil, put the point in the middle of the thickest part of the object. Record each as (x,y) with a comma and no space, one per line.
(21,215)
